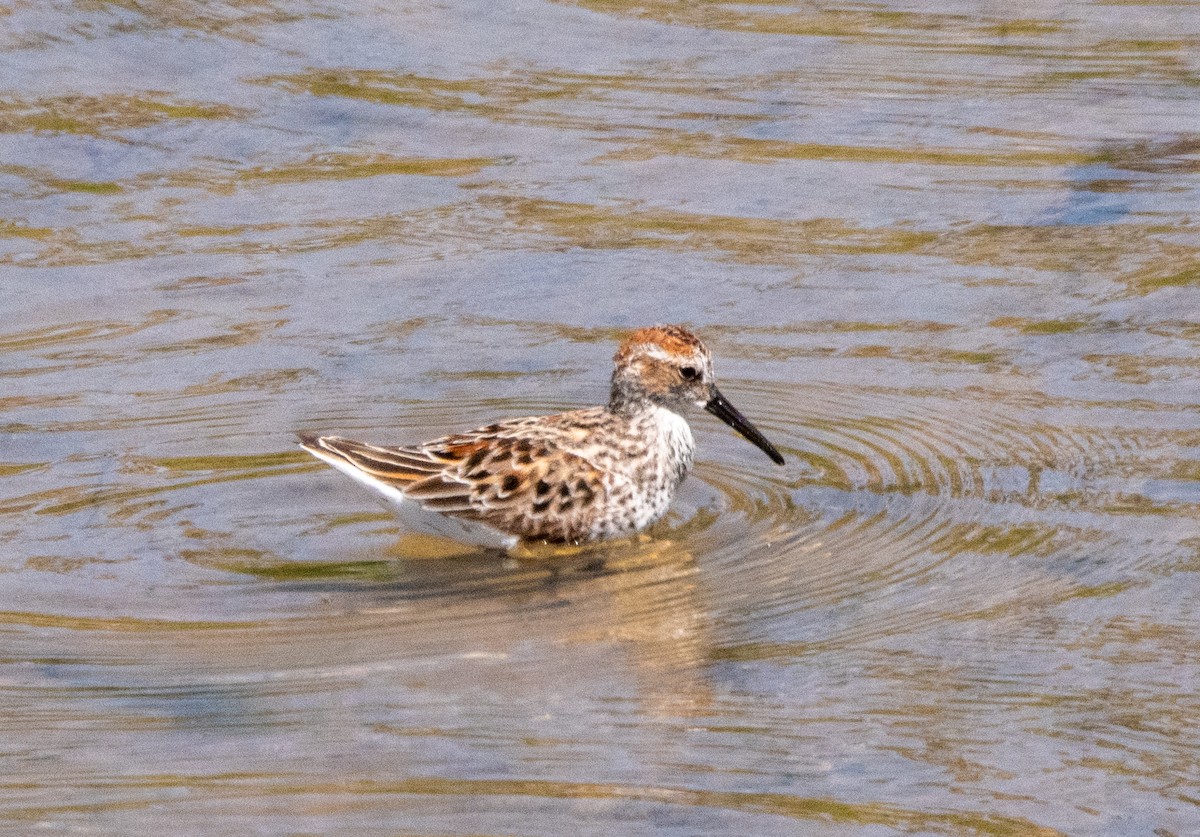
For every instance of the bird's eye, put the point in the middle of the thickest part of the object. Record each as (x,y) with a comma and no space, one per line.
(689,373)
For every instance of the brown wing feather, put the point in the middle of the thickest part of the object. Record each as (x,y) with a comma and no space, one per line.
(394,465)
(524,484)
(530,487)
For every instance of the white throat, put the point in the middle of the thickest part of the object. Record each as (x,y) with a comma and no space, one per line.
(675,439)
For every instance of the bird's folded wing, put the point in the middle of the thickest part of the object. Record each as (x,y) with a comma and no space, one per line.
(529,487)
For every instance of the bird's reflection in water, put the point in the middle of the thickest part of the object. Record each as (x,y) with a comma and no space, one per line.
(428,613)
(641,599)
(651,603)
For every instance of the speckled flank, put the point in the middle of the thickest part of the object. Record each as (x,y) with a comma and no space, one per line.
(585,475)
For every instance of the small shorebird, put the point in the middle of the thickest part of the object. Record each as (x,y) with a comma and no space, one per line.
(585,475)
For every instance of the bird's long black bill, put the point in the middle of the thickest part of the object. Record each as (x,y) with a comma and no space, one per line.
(722,409)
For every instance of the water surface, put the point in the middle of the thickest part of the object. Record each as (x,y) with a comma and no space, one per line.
(947,257)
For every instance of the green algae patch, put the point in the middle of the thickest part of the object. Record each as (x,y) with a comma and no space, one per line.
(1102,591)
(103,115)
(388,88)
(1066,325)
(746,239)
(1093,249)
(87,331)
(906,326)
(822,810)
(1020,539)
(750,150)
(1154,280)
(15,229)
(229,463)
(9,469)
(953,356)
(1187,470)
(74,498)
(863,22)
(115,624)
(1054,326)
(247,564)
(353,167)
(88,187)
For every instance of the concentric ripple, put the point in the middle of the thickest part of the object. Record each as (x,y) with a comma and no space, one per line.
(898,495)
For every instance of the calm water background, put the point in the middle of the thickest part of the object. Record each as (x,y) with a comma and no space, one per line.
(947,254)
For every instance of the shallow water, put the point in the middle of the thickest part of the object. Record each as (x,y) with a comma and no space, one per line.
(947,257)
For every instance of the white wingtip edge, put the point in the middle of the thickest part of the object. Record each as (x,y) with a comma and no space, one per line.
(417,518)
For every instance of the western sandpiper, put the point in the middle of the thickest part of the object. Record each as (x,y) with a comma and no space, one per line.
(585,475)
